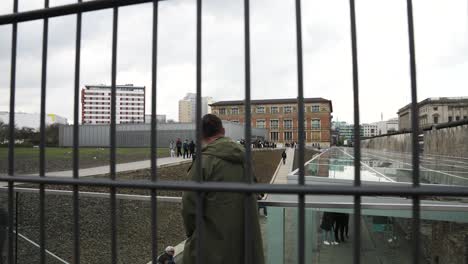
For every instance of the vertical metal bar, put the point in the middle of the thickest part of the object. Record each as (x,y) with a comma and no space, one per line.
(42,238)
(16,226)
(300,106)
(76,154)
(248,155)
(113,137)
(154,175)
(11,135)
(200,201)
(414,132)
(357,136)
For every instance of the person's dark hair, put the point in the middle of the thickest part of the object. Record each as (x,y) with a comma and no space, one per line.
(211,125)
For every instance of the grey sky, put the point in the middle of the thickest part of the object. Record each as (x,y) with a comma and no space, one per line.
(441,45)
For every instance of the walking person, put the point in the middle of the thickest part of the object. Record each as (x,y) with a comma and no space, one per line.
(327,229)
(191,149)
(186,148)
(223,212)
(168,256)
(283,155)
(171,148)
(265,212)
(179,147)
(339,223)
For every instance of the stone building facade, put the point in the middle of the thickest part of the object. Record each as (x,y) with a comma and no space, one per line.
(279,117)
(433,111)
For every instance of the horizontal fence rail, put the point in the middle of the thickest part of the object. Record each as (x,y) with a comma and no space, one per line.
(413,192)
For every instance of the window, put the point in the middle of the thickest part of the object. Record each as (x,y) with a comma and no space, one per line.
(316,136)
(261,123)
(450,119)
(288,136)
(287,124)
(274,110)
(436,119)
(316,124)
(435,108)
(274,136)
(235,111)
(222,111)
(288,109)
(305,109)
(315,108)
(260,110)
(274,124)
(465,117)
(457,118)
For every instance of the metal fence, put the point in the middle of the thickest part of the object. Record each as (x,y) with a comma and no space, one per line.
(247,187)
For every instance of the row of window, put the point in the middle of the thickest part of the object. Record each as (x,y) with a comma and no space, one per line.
(118,94)
(107,115)
(273,110)
(108,103)
(108,122)
(457,118)
(108,99)
(288,136)
(287,123)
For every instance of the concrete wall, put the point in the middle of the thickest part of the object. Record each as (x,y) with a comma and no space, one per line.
(398,143)
(139,135)
(451,141)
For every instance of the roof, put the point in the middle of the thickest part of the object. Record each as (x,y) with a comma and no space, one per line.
(438,100)
(274,101)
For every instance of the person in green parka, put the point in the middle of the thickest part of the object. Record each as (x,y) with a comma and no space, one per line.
(223,213)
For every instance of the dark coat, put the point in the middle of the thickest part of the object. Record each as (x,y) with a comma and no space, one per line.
(283,155)
(166,259)
(327,221)
(223,215)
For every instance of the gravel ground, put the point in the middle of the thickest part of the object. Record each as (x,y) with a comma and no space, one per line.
(133,218)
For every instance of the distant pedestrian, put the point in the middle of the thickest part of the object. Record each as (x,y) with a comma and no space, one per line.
(327,229)
(179,147)
(168,256)
(339,223)
(260,197)
(186,148)
(191,148)
(171,148)
(283,155)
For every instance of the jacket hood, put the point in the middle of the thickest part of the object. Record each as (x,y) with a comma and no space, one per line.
(226,149)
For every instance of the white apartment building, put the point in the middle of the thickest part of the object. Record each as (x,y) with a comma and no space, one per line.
(187,107)
(369,130)
(96,104)
(388,126)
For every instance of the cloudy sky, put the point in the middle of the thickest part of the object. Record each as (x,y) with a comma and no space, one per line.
(441,44)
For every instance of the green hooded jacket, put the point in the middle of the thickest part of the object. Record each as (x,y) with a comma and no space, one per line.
(223,215)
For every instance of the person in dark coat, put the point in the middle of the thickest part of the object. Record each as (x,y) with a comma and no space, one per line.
(191,148)
(340,223)
(346,225)
(167,257)
(185,147)
(223,212)
(283,155)
(327,228)
(179,147)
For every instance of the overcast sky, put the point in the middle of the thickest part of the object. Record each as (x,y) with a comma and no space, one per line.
(441,45)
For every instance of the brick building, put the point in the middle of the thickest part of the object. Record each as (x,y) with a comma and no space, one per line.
(279,116)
